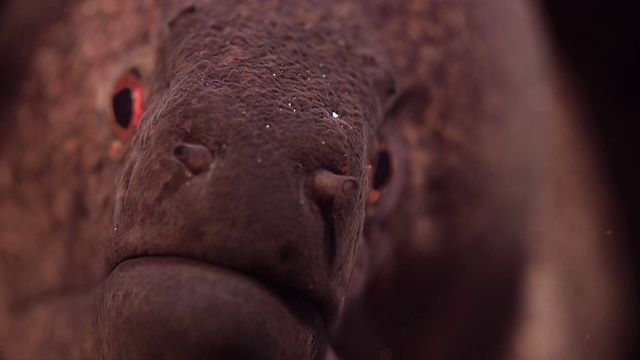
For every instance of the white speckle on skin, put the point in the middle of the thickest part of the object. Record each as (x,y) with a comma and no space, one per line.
(335,115)
(267,126)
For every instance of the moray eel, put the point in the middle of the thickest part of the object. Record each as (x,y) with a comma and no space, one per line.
(299,180)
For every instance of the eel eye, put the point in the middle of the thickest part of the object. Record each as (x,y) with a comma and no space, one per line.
(125,107)
(380,174)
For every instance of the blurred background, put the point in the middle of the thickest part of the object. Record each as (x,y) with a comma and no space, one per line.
(600,42)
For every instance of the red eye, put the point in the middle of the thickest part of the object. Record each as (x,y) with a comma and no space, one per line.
(127,106)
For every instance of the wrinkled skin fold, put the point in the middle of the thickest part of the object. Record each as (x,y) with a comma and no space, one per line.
(308,180)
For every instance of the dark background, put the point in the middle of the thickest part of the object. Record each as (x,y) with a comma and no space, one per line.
(600,41)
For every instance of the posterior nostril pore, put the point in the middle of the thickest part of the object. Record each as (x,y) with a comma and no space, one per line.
(196,158)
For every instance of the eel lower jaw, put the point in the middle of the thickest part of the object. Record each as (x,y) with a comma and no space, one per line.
(172,307)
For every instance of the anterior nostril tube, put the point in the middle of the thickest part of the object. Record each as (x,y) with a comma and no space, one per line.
(196,158)
(350,187)
(326,185)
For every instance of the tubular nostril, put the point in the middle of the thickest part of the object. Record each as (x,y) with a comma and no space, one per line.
(326,185)
(196,158)
(350,187)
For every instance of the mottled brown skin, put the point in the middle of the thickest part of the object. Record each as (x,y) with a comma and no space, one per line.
(225,230)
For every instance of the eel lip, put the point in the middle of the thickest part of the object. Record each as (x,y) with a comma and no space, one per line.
(298,302)
(176,306)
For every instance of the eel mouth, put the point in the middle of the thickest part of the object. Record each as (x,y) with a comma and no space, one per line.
(298,302)
(169,305)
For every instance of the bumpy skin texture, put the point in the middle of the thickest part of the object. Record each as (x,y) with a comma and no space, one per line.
(491,238)
(285,80)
